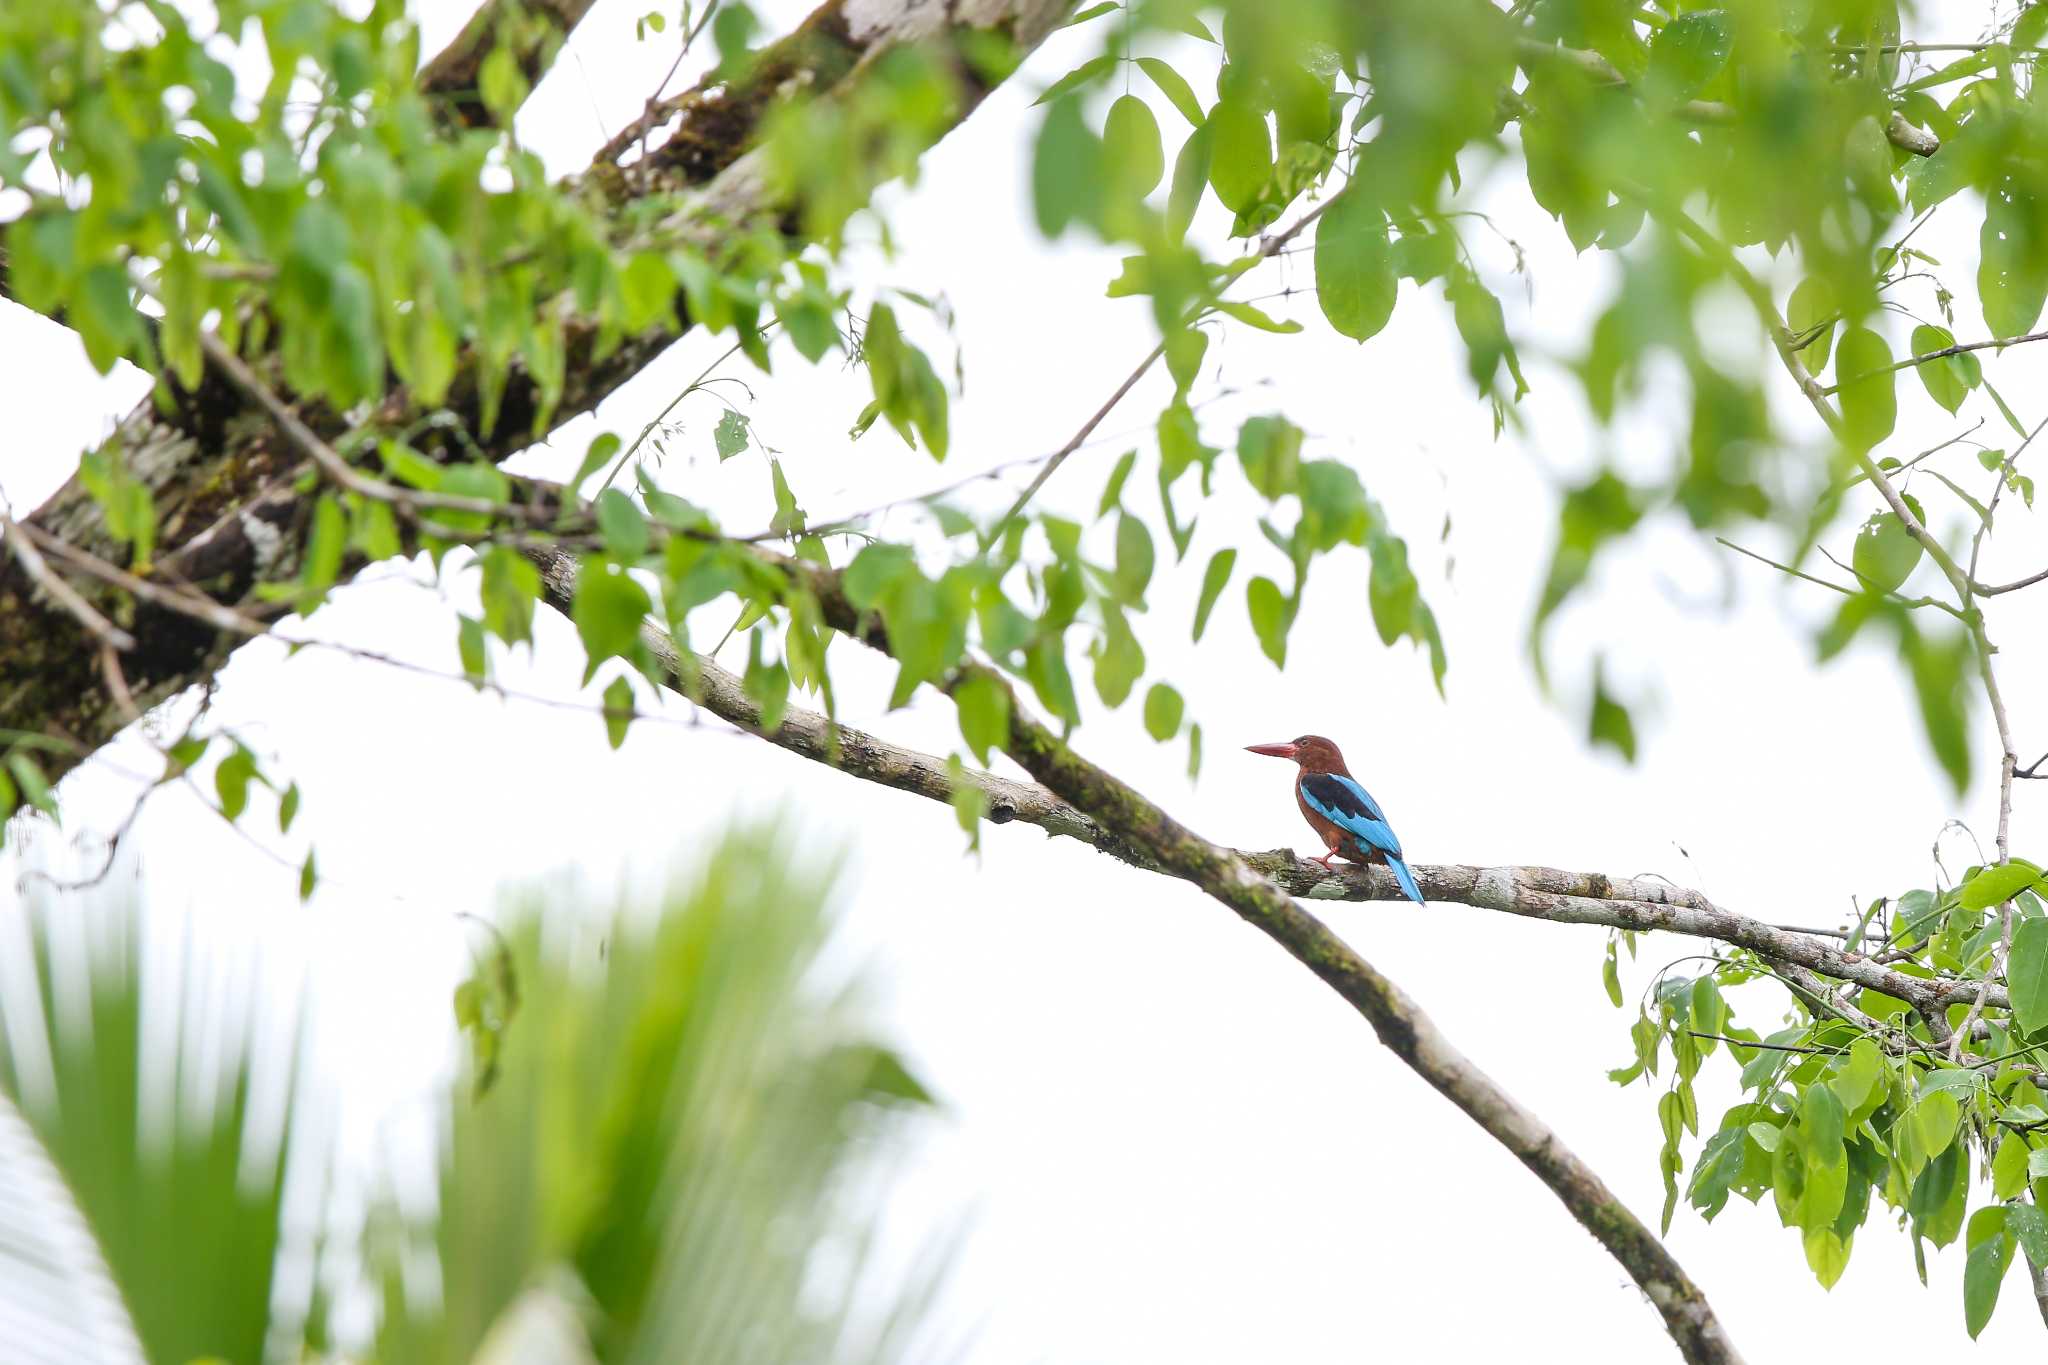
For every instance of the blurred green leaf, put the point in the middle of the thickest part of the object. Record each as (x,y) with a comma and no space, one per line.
(1163,711)
(1355,281)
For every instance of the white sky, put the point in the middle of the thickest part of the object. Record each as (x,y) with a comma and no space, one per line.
(1170,1142)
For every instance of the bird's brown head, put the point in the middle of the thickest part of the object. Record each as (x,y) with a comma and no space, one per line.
(1314,753)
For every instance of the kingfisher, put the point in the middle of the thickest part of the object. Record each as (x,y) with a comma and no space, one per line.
(1343,813)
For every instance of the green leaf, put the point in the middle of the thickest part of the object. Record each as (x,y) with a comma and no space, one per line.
(608,610)
(1858,1075)
(766,683)
(309,877)
(1609,722)
(1174,88)
(1257,317)
(1130,147)
(1270,450)
(1355,280)
(1949,379)
(1984,1270)
(35,788)
(647,290)
(469,648)
(1213,581)
(1885,553)
(1719,1166)
(1271,615)
(502,84)
(1190,175)
(1066,170)
(1163,711)
(984,708)
(1997,885)
(288,808)
(1958,1081)
(1081,75)
(1119,660)
(2027,975)
(1827,1254)
(730,436)
(231,782)
(2009,1167)
(1240,154)
(2030,1226)
(1184,348)
(618,710)
(1869,387)
(2012,267)
(1113,491)
(623,527)
(1934,1120)
(1610,976)
(1093,12)
(326,544)
(1687,53)
(511,586)
(1821,1120)
(1134,558)
(1812,309)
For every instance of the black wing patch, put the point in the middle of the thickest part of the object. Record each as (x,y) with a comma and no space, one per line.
(1339,796)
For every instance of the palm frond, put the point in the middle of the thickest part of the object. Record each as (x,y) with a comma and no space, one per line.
(678,1132)
(163,1097)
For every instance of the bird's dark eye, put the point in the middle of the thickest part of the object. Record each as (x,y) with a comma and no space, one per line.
(1302,740)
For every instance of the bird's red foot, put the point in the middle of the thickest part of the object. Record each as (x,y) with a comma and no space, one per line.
(1325,860)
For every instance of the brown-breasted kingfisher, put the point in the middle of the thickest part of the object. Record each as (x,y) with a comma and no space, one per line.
(1343,814)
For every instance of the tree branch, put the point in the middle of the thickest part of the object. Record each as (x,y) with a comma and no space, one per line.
(221,485)
(1080,801)
(1532,51)
(1401,1025)
(531,30)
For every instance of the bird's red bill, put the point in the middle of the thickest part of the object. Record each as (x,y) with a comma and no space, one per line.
(1272,750)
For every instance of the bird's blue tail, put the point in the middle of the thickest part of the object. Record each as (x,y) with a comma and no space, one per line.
(1406,878)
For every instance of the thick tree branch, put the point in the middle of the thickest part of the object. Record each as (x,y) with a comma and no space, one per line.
(1081,801)
(1400,1024)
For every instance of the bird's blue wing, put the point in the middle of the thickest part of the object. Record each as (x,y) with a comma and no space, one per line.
(1350,807)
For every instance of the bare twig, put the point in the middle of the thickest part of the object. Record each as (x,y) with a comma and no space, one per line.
(66,596)
(1074,443)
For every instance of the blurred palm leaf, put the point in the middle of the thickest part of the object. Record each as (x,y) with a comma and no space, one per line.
(672,1117)
(669,1148)
(57,1301)
(164,1104)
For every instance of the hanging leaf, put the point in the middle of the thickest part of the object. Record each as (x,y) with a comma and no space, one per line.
(1130,147)
(1355,280)
(1869,387)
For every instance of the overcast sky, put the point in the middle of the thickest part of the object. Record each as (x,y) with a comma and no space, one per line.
(1170,1143)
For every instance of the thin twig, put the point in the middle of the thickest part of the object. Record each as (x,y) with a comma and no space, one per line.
(66,596)
(1917,360)
(1074,442)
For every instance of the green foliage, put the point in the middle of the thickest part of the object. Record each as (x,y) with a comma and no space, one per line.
(1837,1119)
(365,239)
(650,1146)
(157,1170)
(669,1097)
